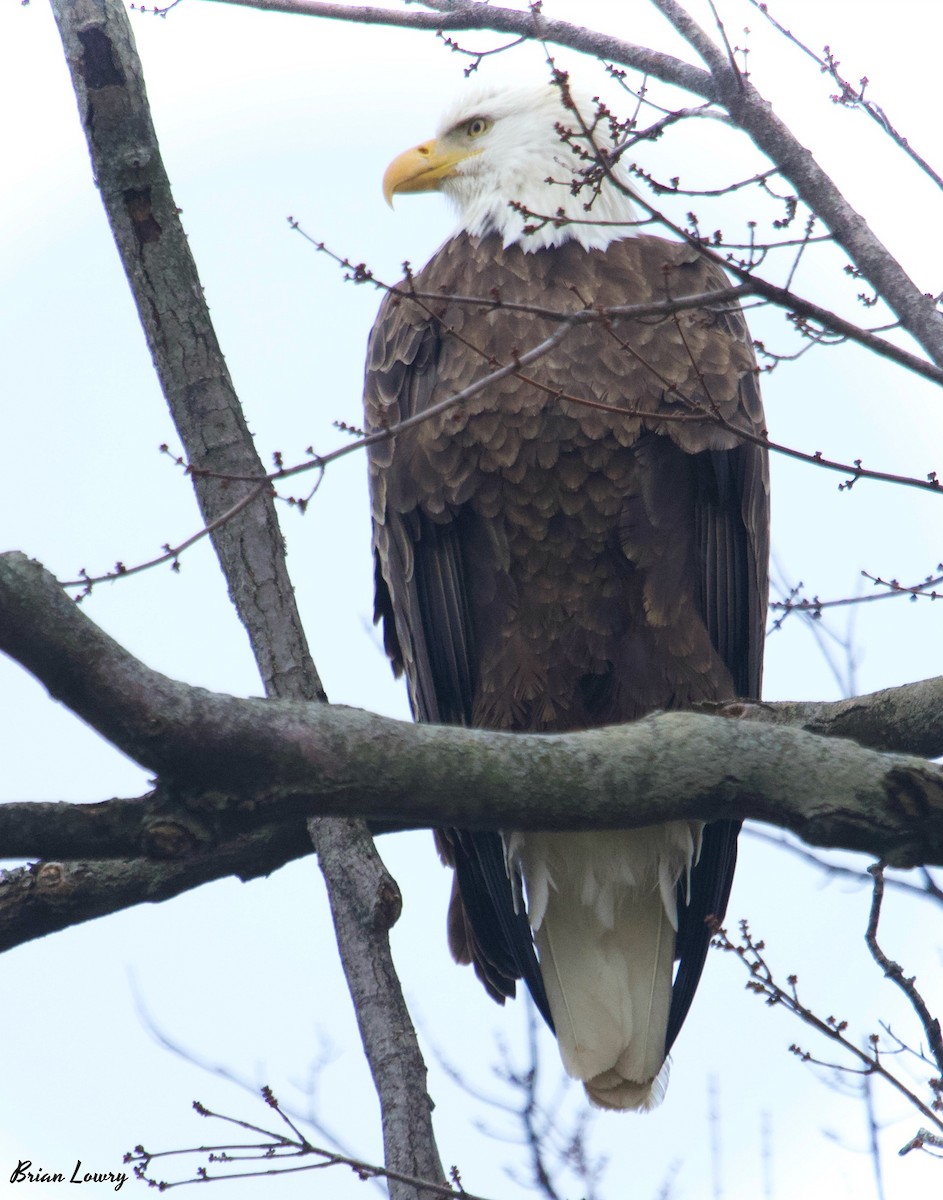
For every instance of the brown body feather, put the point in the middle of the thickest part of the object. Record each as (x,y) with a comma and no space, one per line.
(547,565)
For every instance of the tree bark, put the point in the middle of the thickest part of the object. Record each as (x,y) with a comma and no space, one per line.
(230,767)
(113,108)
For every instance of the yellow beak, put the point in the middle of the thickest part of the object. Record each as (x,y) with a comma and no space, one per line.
(421,169)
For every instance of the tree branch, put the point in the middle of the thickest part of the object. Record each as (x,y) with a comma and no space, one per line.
(754,115)
(850,96)
(724,85)
(697,38)
(273,760)
(894,971)
(166,287)
(907,720)
(456,15)
(751,952)
(113,108)
(50,896)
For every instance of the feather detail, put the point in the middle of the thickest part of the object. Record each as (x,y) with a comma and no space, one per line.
(603,908)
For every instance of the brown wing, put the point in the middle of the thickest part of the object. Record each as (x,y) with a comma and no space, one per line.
(422,599)
(642,533)
(733,540)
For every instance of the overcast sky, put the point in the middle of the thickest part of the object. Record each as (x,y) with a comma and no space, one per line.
(261,116)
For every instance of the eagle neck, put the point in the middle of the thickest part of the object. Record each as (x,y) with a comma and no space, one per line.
(539,216)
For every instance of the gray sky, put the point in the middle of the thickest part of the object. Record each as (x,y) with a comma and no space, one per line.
(262,116)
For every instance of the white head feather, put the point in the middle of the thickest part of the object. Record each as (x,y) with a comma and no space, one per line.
(533,153)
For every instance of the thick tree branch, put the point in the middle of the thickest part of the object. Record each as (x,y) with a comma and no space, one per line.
(264,761)
(165,284)
(335,761)
(50,896)
(906,720)
(113,108)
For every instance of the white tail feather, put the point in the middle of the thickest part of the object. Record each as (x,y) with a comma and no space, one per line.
(604,913)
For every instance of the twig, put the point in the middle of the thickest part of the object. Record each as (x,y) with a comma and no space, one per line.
(922,1139)
(928,890)
(171,554)
(842,665)
(850,96)
(894,972)
(762,982)
(894,589)
(874,1145)
(204,1064)
(275,1148)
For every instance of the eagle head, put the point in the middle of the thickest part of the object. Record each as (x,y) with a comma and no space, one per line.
(528,163)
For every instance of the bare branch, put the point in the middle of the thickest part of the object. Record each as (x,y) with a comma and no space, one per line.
(750,952)
(752,113)
(50,896)
(166,287)
(784,298)
(837,649)
(166,1042)
(716,60)
(928,889)
(171,554)
(456,15)
(922,1139)
(874,1145)
(340,762)
(129,172)
(725,85)
(814,606)
(274,1150)
(850,96)
(894,971)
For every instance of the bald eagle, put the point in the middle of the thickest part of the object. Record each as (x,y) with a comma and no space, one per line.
(576,544)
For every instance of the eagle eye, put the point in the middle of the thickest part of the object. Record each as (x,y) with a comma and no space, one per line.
(477,126)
